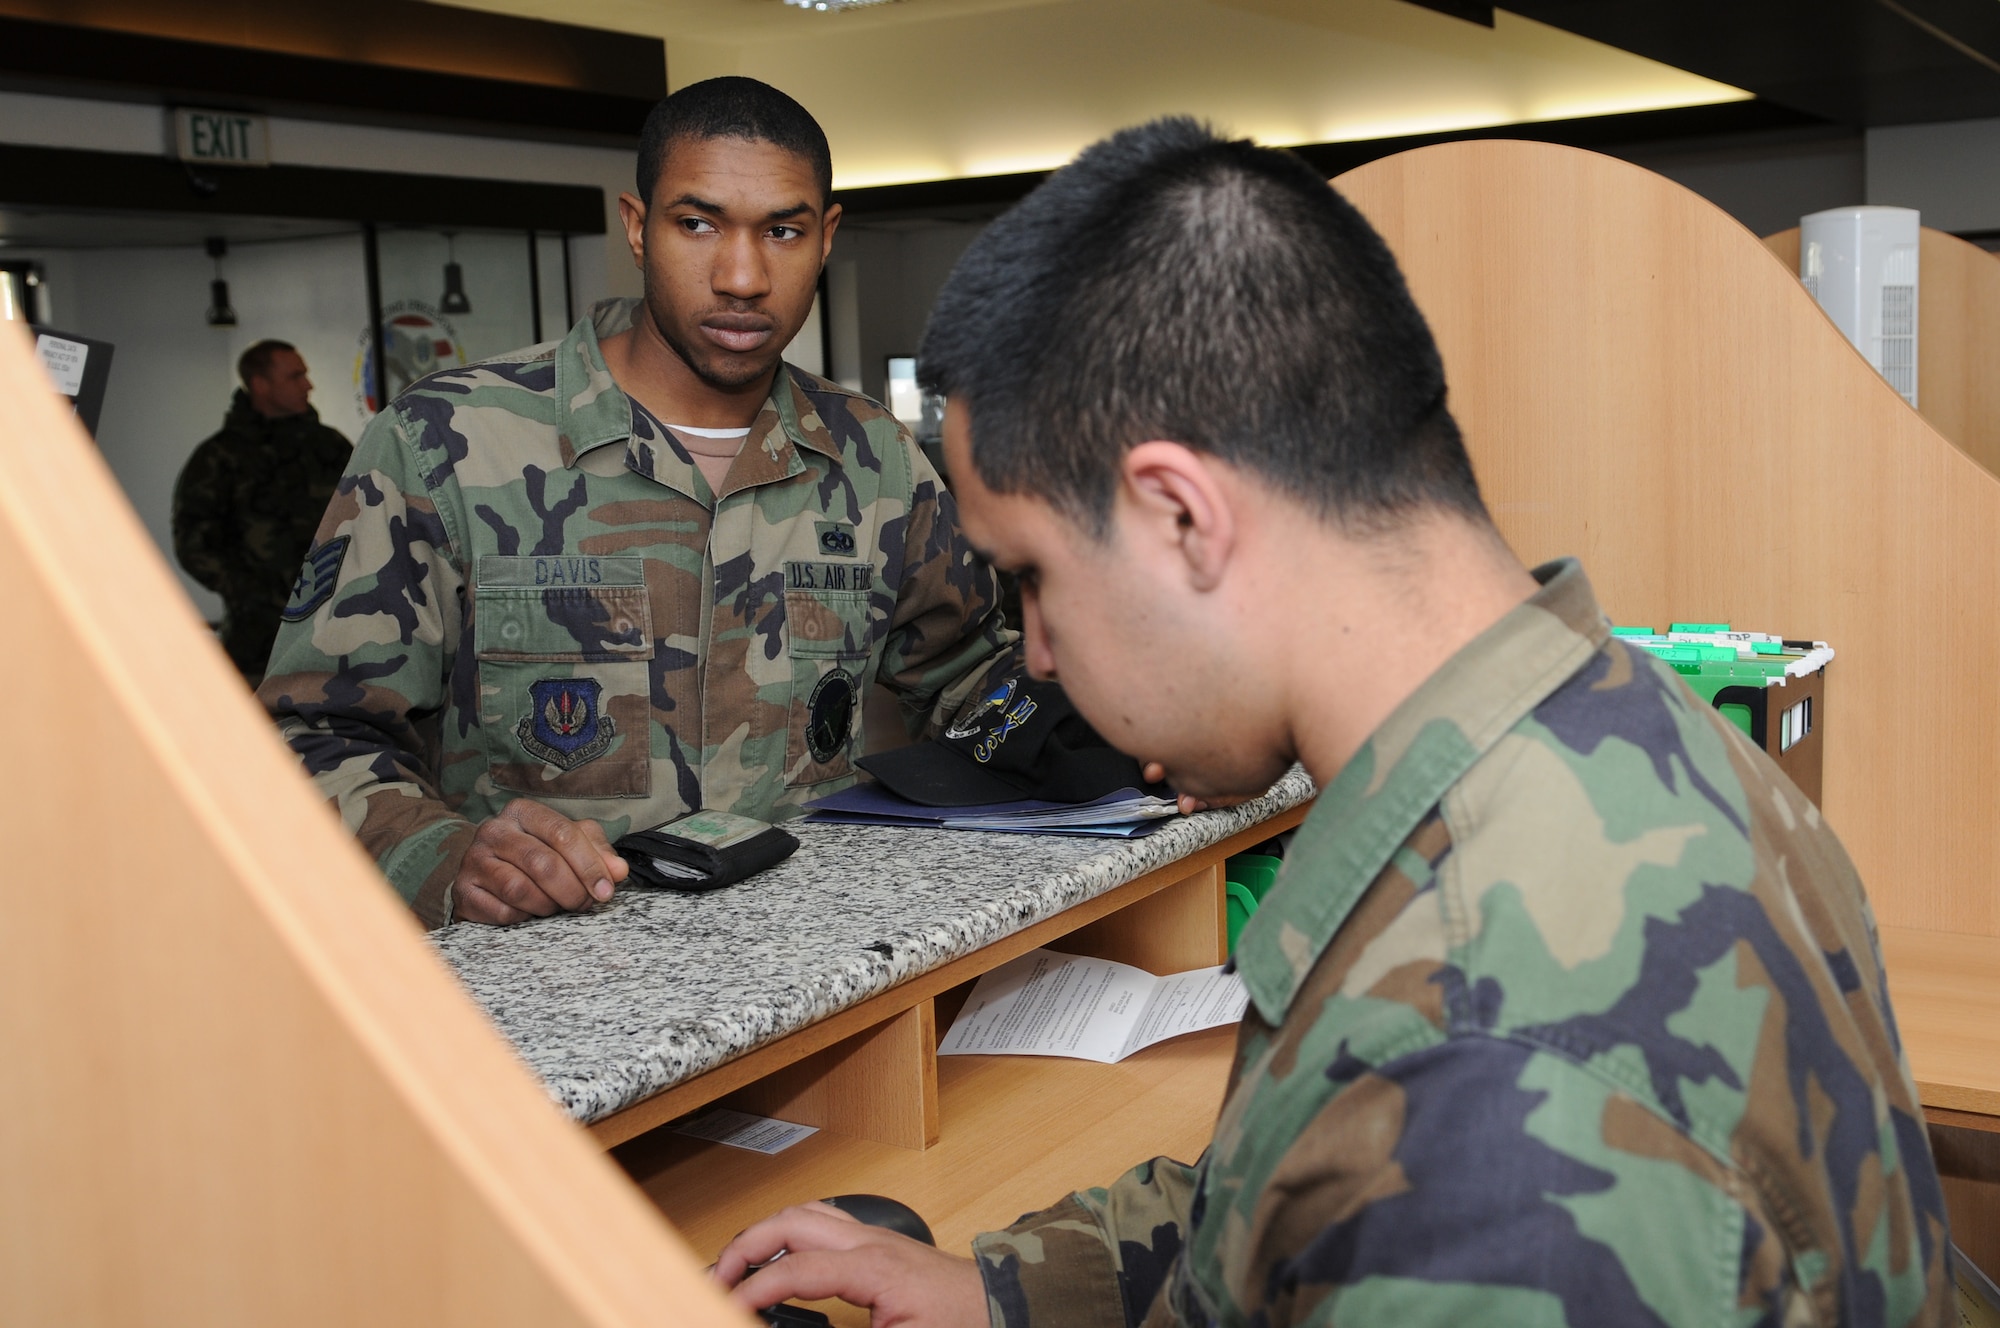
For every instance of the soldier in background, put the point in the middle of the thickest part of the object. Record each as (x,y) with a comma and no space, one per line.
(248,500)
(1566,1007)
(598,583)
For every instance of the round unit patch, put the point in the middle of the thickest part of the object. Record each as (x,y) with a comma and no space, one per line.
(829,715)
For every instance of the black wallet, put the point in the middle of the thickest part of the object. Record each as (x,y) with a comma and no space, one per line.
(703,851)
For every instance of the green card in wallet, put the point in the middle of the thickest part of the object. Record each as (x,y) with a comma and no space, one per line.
(704,851)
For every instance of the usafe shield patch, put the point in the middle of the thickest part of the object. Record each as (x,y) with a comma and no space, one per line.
(565,726)
(316,579)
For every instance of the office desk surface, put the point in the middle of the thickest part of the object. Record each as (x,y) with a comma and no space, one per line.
(614,1006)
(1946,991)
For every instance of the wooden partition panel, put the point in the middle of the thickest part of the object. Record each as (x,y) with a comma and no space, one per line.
(235,1086)
(1958,338)
(1644,385)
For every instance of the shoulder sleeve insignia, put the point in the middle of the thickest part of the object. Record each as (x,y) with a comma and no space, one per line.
(317,578)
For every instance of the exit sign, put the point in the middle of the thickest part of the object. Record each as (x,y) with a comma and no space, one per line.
(221,138)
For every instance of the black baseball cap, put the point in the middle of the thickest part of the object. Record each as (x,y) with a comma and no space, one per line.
(1022,740)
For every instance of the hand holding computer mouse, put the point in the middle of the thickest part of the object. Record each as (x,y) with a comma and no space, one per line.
(831,1254)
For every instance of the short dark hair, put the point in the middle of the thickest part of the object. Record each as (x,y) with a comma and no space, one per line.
(732,107)
(1172,284)
(256,362)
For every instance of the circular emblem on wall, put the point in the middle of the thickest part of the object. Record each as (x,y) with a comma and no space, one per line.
(830,715)
(416,340)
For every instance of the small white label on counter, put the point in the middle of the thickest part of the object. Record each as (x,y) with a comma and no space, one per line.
(739,1129)
(1050,1004)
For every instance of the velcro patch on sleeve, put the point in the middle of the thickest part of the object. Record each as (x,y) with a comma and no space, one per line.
(317,579)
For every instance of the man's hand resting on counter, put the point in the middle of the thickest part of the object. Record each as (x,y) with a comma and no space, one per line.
(532,861)
(828,1254)
(1154,772)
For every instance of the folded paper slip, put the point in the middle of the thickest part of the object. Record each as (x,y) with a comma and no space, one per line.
(704,850)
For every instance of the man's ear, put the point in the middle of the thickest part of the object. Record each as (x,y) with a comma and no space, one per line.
(1176,495)
(828,225)
(632,211)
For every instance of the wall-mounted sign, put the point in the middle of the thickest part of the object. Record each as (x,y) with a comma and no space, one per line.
(221,138)
(79,367)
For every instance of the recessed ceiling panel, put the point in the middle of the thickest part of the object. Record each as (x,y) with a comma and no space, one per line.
(939,89)
(1861,62)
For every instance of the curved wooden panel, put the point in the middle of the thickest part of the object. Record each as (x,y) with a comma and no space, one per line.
(238,1089)
(1643,384)
(1958,338)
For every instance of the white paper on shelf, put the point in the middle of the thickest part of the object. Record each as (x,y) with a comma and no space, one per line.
(739,1129)
(1050,1004)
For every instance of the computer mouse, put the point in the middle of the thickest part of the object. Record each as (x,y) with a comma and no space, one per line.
(877,1211)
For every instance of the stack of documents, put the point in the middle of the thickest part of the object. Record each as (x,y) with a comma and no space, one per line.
(1126,814)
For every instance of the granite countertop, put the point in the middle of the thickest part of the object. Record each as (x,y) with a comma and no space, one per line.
(614,1006)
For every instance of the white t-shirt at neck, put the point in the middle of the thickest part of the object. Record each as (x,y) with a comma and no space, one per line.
(712,449)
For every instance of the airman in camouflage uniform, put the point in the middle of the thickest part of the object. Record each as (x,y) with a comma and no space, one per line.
(1567,1007)
(525,587)
(244,511)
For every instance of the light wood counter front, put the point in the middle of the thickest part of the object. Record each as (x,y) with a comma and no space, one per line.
(1946,991)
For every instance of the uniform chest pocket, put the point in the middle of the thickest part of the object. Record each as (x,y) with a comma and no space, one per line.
(564,676)
(828,639)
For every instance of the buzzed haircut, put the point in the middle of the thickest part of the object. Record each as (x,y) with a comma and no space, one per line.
(733,107)
(1171,284)
(256,362)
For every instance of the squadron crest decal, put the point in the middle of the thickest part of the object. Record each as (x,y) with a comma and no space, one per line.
(565,725)
(976,718)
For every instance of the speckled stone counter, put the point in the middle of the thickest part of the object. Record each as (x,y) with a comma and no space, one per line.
(612,1007)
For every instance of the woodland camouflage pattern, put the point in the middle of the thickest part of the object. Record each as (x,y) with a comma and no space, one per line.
(525,587)
(245,509)
(1567,1008)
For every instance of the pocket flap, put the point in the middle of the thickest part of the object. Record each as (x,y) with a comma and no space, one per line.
(594,610)
(827,624)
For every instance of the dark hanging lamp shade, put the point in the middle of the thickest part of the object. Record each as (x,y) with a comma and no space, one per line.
(220,314)
(454,301)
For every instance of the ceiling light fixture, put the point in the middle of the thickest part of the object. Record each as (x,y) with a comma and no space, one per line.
(835,6)
(219,312)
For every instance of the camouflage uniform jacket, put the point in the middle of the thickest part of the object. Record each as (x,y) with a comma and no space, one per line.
(245,509)
(525,587)
(1566,1008)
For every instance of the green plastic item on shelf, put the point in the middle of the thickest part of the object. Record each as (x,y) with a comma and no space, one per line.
(1257,871)
(1768,647)
(1241,905)
(1738,714)
(1633,631)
